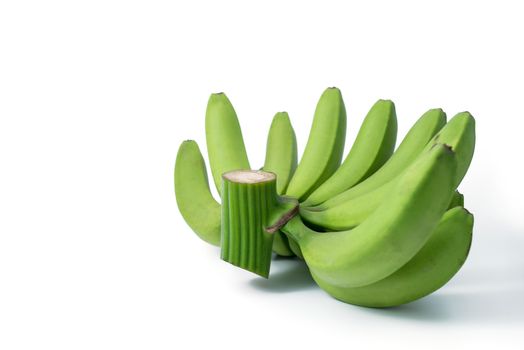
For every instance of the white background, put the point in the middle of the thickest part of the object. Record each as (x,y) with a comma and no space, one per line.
(96,96)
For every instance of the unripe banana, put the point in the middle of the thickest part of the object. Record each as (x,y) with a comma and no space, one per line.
(281,245)
(411,147)
(196,203)
(324,147)
(333,214)
(459,133)
(193,196)
(373,146)
(281,159)
(225,145)
(389,237)
(281,150)
(353,212)
(431,268)
(295,248)
(348,214)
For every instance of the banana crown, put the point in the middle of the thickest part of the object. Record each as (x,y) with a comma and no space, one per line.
(382,228)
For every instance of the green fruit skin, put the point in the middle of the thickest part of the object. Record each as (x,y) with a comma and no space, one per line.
(281,245)
(281,159)
(356,210)
(349,214)
(193,196)
(389,237)
(459,133)
(324,148)
(431,268)
(225,145)
(281,150)
(295,248)
(457,200)
(409,149)
(373,146)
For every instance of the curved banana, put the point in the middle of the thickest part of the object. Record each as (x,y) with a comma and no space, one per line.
(295,248)
(281,159)
(348,214)
(324,147)
(411,147)
(353,212)
(281,245)
(390,236)
(225,145)
(193,196)
(373,146)
(281,150)
(431,268)
(459,134)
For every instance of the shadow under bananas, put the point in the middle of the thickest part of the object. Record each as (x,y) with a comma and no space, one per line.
(488,290)
(501,306)
(287,275)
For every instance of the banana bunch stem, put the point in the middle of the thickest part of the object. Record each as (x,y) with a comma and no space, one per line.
(251,213)
(384,227)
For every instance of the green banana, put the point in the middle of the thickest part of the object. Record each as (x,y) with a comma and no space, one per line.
(324,147)
(459,134)
(353,212)
(433,266)
(348,214)
(281,159)
(373,146)
(193,196)
(281,150)
(195,201)
(410,148)
(281,245)
(390,236)
(295,248)
(225,145)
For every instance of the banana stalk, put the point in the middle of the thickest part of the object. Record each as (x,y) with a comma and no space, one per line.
(251,213)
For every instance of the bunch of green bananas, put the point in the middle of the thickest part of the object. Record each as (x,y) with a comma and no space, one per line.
(381,228)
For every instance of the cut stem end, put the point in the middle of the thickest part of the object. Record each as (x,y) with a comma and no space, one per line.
(251,212)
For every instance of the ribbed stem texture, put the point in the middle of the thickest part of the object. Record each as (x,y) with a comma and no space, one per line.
(248,200)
